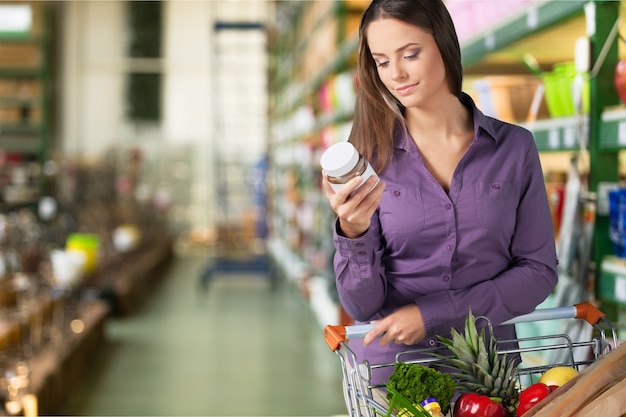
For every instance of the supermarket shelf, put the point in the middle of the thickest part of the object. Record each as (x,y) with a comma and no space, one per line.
(22,72)
(27,143)
(26,76)
(126,282)
(292,265)
(613,130)
(611,285)
(57,367)
(299,96)
(531,20)
(558,134)
(20,37)
(283,72)
(56,373)
(20,128)
(14,101)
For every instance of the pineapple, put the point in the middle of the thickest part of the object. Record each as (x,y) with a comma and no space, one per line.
(478,367)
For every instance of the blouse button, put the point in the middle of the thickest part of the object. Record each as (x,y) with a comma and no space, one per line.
(448,206)
(449,247)
(362,253)
(396,193)
(432,342)
(360,244)
(446,278)
(495,186)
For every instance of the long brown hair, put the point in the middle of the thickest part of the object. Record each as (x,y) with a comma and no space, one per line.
(377,113)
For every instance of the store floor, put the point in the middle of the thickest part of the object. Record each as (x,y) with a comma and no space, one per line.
(240,348)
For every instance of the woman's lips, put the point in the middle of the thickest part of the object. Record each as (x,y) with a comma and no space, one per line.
(406,89)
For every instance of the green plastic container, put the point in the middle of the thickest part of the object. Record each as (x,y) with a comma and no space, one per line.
(558,90)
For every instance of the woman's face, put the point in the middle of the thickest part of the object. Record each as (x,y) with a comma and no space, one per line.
(408,61)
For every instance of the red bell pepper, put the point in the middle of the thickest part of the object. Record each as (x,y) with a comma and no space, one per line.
(531,396)
(476,405)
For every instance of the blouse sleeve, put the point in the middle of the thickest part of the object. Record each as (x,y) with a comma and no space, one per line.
(360,277)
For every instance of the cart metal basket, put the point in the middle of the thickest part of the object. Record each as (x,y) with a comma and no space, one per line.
(359,390)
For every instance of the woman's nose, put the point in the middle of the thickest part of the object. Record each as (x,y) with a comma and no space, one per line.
(397,71)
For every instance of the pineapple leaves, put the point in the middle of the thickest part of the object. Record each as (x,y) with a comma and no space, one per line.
(471,334)
(476,364)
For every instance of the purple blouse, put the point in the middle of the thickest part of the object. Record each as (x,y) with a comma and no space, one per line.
(487,244)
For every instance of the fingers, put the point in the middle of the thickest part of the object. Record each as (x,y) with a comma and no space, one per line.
(361,202)
(376,332)
(385,332)
(386,336)
(404,326)
(354,205)
(351,190)
(345,192)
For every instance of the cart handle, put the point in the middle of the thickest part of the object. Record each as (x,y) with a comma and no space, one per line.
(335,335)
(584,311)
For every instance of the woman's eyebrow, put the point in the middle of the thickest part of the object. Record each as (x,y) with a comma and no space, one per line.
(400,49)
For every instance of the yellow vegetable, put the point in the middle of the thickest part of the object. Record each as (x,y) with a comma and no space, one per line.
(558,375)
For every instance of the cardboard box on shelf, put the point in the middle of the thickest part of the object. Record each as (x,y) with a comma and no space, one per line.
(510,98)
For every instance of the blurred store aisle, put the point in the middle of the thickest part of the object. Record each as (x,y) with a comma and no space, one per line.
(238,349)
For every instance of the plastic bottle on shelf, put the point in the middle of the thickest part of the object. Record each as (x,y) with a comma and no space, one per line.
(341,162)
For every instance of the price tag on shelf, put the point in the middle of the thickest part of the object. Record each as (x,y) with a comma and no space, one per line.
(620,289)
(602,194)
(621,133)
(490,41)
(15,18)
(532,18)
(553,139)
(569,137)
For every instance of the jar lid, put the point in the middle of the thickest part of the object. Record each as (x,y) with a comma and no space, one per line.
(339,159)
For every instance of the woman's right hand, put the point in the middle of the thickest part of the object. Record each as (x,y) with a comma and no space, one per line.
(355,211)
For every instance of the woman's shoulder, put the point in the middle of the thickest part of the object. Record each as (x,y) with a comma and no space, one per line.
(510,136)
(501,131)
(506,129)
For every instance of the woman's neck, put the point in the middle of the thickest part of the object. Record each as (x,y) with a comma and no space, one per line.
(444,120)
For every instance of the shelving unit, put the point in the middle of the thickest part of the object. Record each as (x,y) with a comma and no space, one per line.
(56,326)
(300,130)
(25,89)
(309,67)
(25,93)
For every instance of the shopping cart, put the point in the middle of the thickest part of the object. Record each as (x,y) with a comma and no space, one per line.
(359,390)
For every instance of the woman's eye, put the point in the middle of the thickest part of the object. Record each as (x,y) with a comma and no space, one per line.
(412,56)
(382,64)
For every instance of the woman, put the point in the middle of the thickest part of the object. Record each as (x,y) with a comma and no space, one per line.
(460,218)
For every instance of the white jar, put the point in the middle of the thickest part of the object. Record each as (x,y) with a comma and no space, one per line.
(341,162)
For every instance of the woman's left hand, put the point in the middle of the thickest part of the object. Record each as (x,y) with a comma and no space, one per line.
(404,326)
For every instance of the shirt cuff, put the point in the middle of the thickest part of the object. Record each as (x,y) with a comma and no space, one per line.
(436,309)
(355,249)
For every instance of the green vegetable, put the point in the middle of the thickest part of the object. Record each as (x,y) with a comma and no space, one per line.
(402,407)
(417,383)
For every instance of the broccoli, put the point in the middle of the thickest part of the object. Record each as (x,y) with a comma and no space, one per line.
(417,383)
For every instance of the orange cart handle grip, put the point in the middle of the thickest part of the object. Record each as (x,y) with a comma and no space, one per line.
(588,312)
(334,336)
